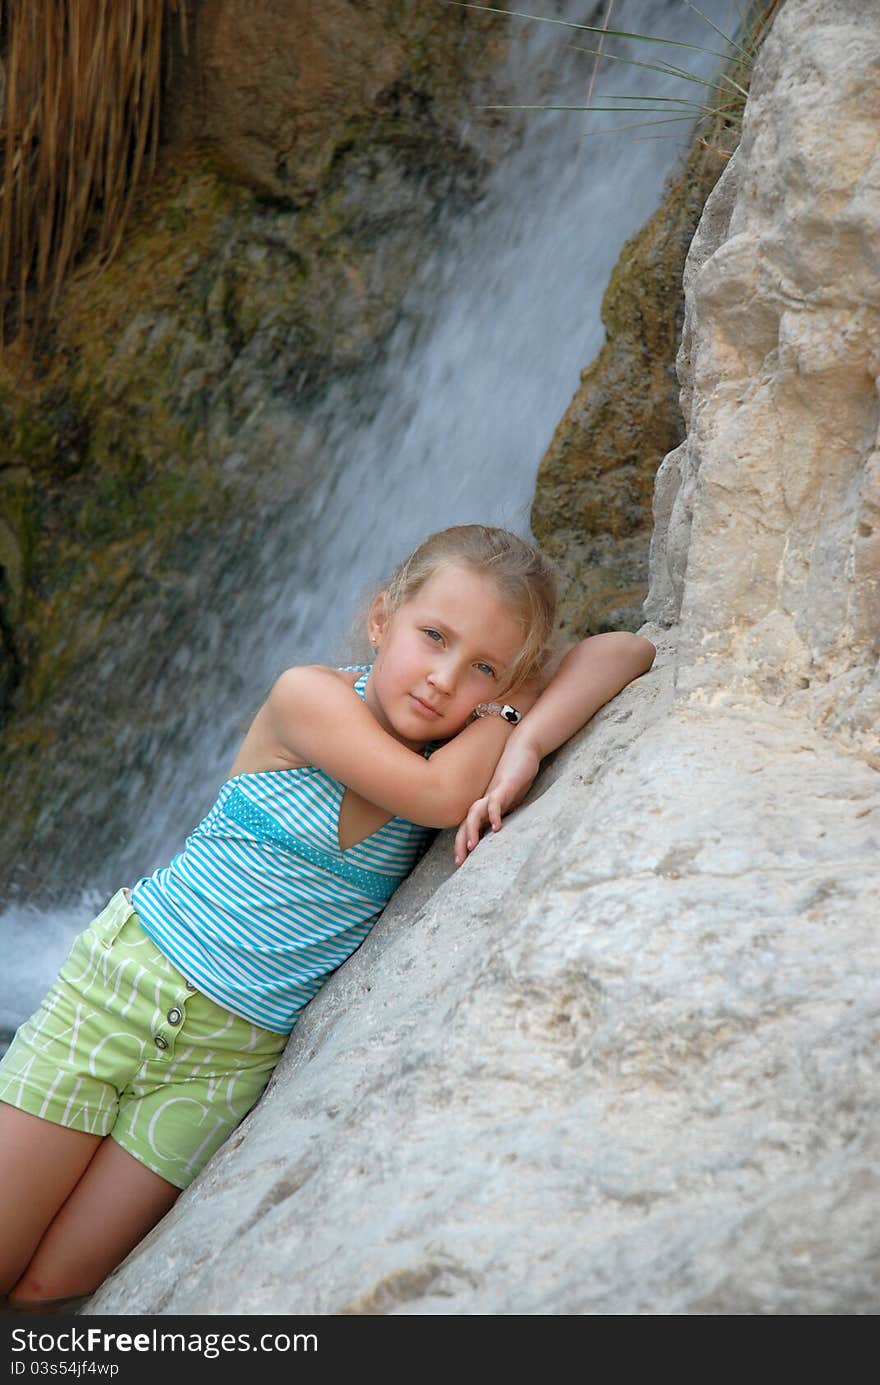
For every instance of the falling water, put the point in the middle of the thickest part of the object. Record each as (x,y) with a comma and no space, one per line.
(456,417)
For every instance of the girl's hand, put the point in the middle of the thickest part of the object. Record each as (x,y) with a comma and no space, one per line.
(587,676)
(513,777)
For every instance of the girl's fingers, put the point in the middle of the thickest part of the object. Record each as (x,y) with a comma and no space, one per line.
(475,818)
(485,812)
(468,833)
(461,843)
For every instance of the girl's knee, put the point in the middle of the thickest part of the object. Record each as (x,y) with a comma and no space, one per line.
(38,1292)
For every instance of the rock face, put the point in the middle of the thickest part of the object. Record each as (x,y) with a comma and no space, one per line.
(626,1060)
(284,88)
(779,368)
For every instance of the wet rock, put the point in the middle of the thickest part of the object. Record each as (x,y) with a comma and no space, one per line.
(592,505)
(282,88)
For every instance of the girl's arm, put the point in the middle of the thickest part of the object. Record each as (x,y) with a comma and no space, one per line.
(589,675)
(317,719)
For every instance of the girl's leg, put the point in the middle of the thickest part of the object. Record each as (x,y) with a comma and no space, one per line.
(113,1206)
(40,1165)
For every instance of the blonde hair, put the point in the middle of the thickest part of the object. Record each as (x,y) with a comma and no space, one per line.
(525,579)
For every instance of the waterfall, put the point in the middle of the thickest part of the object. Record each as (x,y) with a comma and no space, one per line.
(450,425)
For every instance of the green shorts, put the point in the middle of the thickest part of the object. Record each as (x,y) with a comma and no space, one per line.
(123,1045)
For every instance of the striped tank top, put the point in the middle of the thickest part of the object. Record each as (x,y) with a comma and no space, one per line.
(261,905)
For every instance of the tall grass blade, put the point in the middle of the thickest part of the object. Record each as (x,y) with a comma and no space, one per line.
(730,92)
(595,72)
(743,52)
(592,28)
(664,68)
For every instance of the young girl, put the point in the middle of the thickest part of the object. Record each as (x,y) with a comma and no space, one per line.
(175,1005)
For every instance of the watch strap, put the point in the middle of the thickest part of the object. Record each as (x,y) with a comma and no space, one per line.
(498,709)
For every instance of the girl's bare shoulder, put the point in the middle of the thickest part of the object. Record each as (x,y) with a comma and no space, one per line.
(267,743)
(304,679)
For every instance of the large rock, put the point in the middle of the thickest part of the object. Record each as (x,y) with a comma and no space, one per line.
(282,88)
(626,1060)
(779,367)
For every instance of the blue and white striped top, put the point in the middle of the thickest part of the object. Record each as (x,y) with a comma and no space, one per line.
(261,905)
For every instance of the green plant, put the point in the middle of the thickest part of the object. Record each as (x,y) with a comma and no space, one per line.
(724,95)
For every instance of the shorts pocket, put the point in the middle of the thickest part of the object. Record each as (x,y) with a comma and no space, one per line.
(112,919)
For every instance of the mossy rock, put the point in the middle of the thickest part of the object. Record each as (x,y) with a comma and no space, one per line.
(593,494)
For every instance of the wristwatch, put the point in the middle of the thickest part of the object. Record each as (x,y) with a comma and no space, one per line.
(498,709)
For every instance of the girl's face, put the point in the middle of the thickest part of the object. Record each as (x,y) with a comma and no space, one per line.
(443,651)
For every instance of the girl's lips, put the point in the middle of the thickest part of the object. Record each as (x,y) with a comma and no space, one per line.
(425,707)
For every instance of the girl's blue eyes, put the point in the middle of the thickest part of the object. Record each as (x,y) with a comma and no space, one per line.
(435,636)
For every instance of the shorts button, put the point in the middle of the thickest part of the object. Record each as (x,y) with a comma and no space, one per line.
(174,1015)
(160,1041)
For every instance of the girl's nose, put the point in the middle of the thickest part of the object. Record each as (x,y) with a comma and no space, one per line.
(442,675)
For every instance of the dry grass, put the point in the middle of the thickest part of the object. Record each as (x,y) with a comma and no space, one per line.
(80,87)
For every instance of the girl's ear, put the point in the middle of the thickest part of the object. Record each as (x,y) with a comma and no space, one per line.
(377,620)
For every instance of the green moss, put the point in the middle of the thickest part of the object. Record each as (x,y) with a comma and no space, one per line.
(176,218)
(592,506)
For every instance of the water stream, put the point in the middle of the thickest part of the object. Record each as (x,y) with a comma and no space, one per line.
(452,424)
